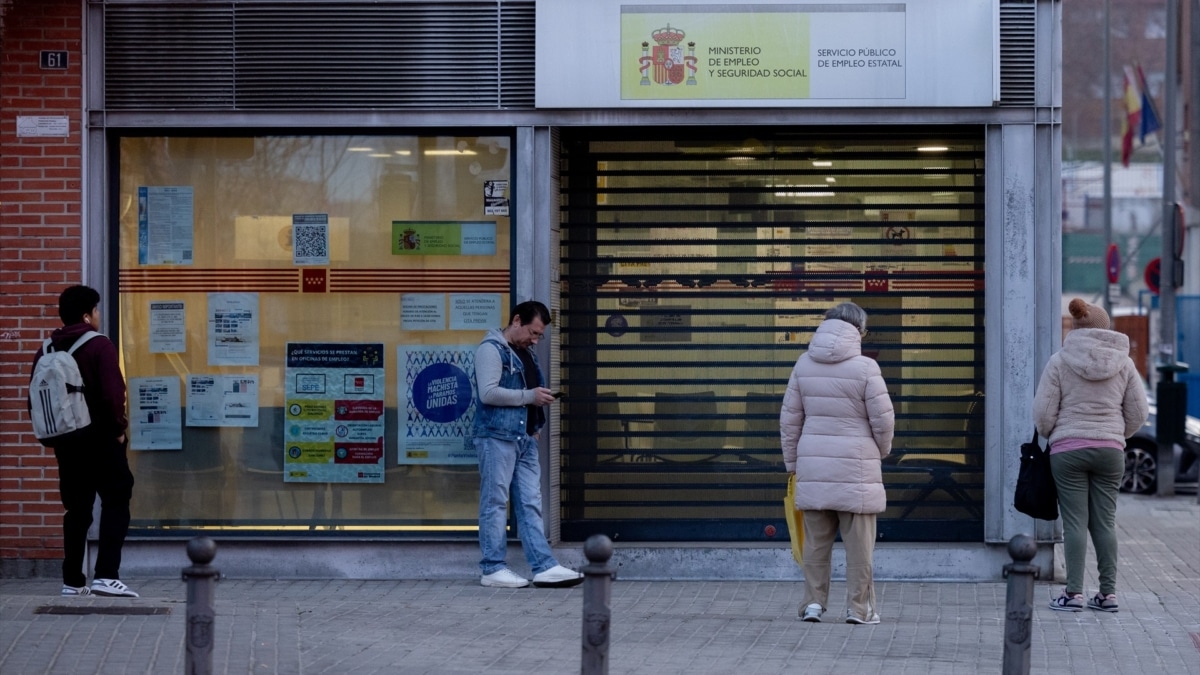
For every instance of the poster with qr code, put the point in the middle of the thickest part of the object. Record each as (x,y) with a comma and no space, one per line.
(310,238)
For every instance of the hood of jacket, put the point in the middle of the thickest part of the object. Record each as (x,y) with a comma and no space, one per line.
(835,341)
(495,335)
(1095,353)
(63,338)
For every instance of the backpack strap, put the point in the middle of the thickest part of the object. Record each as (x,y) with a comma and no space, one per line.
(47,347)
(82,341)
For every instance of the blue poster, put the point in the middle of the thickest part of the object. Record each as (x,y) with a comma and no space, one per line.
(437,404)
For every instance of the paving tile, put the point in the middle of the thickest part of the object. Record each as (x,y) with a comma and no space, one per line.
(452,627)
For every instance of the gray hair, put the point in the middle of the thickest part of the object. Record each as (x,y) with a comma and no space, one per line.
(851,314)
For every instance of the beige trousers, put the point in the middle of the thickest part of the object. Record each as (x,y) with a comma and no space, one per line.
(858,534)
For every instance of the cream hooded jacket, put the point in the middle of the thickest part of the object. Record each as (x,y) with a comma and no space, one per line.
(836,424)
(1090,389)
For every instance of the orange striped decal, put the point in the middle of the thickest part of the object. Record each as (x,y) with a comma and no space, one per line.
(181,280)
(418,281)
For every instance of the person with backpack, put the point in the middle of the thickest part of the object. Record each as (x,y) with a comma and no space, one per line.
(77,404)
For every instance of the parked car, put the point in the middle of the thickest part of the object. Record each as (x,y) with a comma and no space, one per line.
(1141,458)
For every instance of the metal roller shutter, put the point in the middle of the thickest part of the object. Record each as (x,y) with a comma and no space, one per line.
(695,266)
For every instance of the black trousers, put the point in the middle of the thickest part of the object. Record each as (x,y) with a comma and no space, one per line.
(85,470)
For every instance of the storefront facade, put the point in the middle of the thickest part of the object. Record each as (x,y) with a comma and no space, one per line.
(305,216)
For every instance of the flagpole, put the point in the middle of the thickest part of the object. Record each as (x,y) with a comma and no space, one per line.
(1166,347)
(1170,395)
(1108,100)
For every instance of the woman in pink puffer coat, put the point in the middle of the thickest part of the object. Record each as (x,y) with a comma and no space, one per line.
(836,426)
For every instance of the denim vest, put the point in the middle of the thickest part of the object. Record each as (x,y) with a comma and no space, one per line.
(506,422)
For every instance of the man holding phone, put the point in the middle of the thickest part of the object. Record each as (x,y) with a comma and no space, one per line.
(507,423)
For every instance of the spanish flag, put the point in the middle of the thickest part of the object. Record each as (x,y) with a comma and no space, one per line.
(1149,122)
(1140,116)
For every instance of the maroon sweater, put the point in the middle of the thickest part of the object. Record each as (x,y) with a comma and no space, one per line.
(103,383)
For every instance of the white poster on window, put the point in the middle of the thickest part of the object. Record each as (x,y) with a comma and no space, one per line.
(165,225)
(475,311)
(154,418)
(222,401)
(423,311)
(233,329)
(168,327)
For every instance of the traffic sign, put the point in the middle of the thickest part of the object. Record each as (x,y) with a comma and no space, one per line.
(1153,275)
(1112,262)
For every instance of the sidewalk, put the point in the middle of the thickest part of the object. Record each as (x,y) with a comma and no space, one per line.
(343,626)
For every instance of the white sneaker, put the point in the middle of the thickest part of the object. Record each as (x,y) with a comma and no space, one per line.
(812,613)
(112,588)
(503,578)
(869,621)
(557,577)
(72,591)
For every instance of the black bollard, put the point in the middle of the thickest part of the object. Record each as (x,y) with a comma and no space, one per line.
(597,594)
(200,578)
(1018,606)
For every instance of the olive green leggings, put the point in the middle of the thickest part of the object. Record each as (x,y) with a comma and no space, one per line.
(1087,481)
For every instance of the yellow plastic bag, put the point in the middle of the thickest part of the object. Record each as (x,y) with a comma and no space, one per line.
(795,520)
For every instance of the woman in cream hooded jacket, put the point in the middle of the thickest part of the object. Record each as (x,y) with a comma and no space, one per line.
(836,426)
(1089,400)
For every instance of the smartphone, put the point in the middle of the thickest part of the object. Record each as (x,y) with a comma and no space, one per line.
(558,394)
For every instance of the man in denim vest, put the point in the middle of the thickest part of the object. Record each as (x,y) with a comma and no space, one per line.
(510,415)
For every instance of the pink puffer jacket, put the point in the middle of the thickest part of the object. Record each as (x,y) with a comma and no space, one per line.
(836,424)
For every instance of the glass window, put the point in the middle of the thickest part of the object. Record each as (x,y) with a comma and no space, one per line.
(696,267)
(297,314)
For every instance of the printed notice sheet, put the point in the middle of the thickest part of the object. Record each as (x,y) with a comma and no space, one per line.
(475,311)
(333,413)
(154,419)
(495,198)
(168,328)
(422,311)
(437,404)
(233,329)
(165,225)
(222,400)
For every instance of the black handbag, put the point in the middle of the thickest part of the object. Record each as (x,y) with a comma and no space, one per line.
(1036,494)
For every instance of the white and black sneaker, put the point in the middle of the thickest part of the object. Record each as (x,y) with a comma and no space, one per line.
(112,588)
(73,591)
(812,613)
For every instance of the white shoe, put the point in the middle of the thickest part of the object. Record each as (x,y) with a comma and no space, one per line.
(112,588)
(812,613)
(503,578)
(869,621)
(557,577)
(73,591)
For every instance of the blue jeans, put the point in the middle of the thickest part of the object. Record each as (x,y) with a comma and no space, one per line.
(505,465)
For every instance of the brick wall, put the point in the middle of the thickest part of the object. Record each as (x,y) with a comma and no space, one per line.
(40,254)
